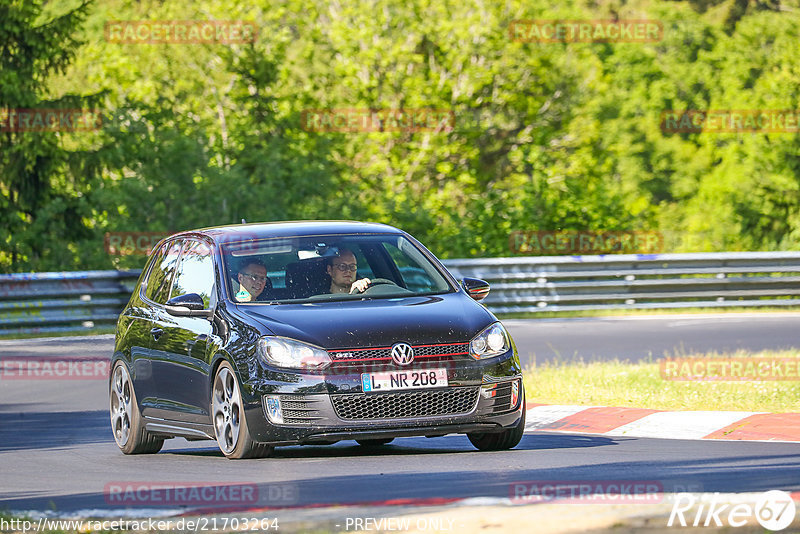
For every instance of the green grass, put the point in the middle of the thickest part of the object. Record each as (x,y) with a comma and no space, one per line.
(640,385)
(623,313)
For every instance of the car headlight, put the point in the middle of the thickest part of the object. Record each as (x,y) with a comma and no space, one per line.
(492,341)
(285,352)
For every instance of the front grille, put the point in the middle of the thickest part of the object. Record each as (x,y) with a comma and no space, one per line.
(385,353)
(439,402)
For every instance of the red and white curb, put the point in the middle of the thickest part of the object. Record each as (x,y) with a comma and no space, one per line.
(646,423)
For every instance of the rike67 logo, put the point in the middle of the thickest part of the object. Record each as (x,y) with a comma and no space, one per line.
(774,510)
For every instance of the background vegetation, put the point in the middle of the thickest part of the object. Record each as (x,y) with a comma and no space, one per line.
(549,135)
(622,383)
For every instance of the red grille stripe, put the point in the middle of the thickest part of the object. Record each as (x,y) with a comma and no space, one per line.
(456,346)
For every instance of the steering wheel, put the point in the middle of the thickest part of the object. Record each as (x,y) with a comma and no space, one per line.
(377,282)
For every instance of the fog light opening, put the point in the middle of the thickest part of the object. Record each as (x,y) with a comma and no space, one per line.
(514,393)
(272,405)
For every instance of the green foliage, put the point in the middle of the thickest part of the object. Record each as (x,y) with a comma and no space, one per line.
(547,136)
(43,183)
(622,383)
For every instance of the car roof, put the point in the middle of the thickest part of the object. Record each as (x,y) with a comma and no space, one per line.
(235,232)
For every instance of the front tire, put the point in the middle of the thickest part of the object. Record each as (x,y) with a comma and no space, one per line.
(500,441)
(230,423)
(126,421)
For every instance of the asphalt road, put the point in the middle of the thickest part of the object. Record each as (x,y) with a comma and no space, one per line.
(640,337)
(57,452)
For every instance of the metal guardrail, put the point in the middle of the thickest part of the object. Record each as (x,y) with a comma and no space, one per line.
(636,281)
(31,303)
(88,300)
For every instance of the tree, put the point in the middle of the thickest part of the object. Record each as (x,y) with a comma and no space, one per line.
(44,176)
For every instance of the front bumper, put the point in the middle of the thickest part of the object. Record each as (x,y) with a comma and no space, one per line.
(481,396)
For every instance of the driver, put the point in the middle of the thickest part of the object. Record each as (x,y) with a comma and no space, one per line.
(342,270)
(253,281)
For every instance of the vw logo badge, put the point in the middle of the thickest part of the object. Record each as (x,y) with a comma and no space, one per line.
(402,353)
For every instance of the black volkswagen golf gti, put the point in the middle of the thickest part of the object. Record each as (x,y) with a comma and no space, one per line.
(291,333)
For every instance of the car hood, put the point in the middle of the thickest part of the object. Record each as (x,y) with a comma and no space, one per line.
(449,318)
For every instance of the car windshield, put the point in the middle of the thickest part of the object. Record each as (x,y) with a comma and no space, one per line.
(328,268)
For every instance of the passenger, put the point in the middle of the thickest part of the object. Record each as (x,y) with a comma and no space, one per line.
(252,281)
(342,270)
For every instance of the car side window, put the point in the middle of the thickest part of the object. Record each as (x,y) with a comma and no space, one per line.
(160,278)
(414,276)
(364,268)
(195,272)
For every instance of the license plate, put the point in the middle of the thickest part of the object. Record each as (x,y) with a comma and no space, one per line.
(421,378)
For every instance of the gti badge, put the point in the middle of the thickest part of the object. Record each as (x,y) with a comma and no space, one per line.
(402,353)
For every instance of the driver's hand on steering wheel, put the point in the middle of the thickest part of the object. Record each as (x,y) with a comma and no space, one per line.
(359,286)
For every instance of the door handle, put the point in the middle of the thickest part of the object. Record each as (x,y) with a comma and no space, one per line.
(156,331)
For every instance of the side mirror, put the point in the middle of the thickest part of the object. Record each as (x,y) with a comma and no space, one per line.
(475,288)
(188,305)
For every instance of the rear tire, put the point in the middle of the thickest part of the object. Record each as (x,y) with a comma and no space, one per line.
(126,421)
(230,423)
(500,441)
(371,443)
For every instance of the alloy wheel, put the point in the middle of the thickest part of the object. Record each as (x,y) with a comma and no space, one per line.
(226,409)
(121,409)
